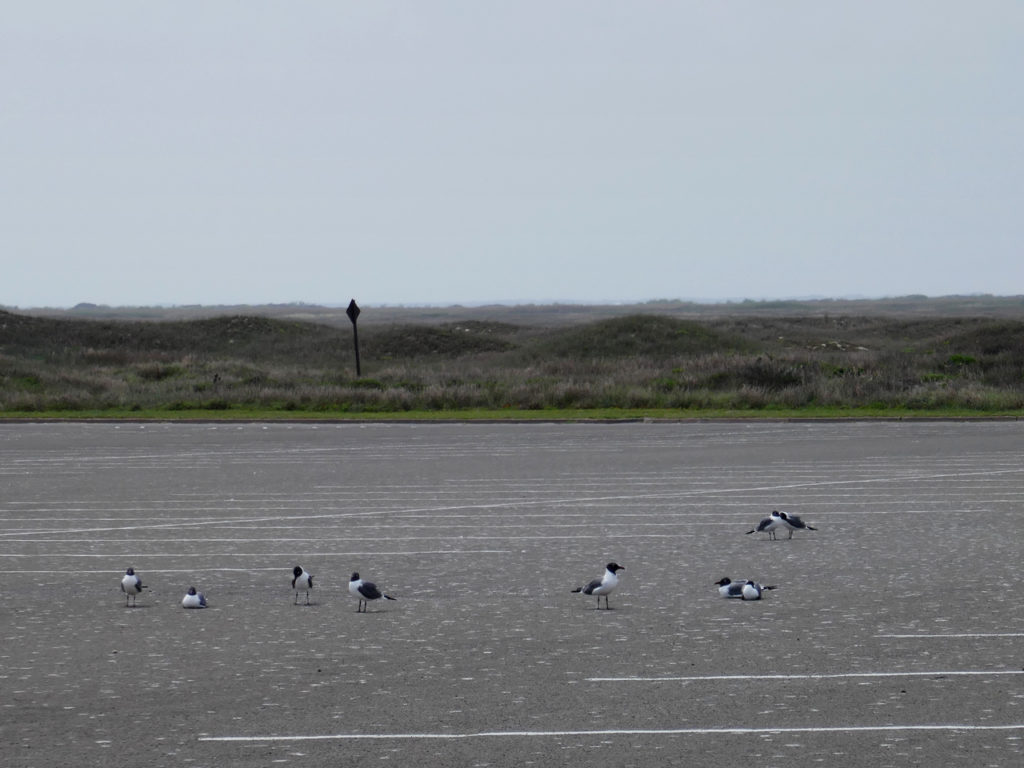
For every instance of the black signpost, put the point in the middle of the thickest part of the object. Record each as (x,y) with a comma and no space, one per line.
(353,313)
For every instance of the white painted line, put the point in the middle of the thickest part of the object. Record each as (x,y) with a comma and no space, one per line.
(524,503)
(622,732)
(107,571)
(274,568)
(965,634)
(939,673)
(257,555)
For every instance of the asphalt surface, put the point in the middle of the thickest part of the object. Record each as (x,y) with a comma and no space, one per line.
(895,637)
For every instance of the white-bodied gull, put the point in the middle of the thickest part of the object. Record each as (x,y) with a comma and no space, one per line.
(729,588)
(752,590)
(131,585)
(364,591)
(193,599)
(769,525)
(603,586)
(301,581)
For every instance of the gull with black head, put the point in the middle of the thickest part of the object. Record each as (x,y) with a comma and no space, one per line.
(604,586)
(364,592)
(301,580)
(794,523)
(193,599)
(131,585)
(769,525)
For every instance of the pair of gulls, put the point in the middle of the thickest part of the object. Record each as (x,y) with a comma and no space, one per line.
(131,585)
(363,591)
(744,589)
(782,520)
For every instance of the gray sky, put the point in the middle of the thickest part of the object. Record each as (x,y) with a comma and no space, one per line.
(462,152)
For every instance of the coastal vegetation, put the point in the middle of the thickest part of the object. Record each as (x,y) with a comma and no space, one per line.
(651,361)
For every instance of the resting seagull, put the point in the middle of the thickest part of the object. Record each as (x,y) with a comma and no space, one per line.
(131,585)
(364,591)
(769,524)
(729,588)
(752,590)
(603,586)
(301,581)
(193,599)
(794,523)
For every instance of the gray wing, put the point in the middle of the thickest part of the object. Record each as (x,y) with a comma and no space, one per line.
(369,590)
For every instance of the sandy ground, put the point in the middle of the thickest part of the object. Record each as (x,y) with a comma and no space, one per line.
(896,636)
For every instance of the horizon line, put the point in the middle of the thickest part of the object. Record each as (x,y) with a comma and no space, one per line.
(84,305)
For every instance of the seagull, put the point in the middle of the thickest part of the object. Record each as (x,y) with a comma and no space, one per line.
(301,581)
(193,599)
(769,524)
(364,591)
(794,523)
(745,589)
(131,585)
(752,590)
(729,588)
(604,585)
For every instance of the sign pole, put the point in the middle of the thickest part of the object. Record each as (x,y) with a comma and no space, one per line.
(353,313)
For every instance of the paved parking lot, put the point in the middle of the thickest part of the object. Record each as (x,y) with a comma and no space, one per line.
(894,637)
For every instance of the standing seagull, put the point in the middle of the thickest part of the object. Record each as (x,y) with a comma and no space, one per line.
(769,524)
(364,591)
(794,523)
(193,599)
(603,586)
(131,585)
(301,581)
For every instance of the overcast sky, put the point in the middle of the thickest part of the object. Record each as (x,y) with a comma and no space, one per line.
(444,152)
